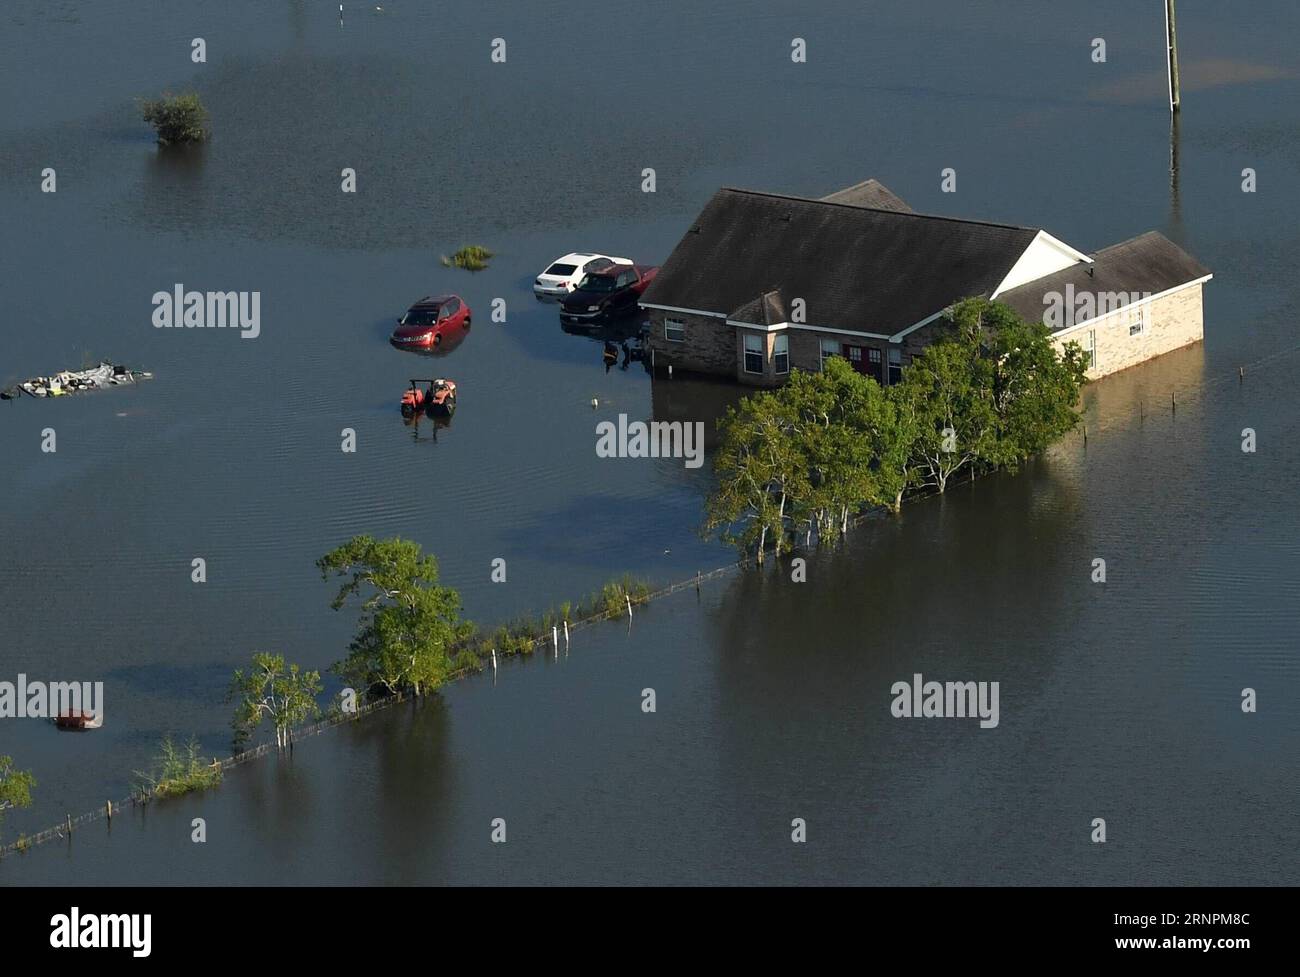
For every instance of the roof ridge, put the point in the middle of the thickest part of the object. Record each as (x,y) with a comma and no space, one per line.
(878,210)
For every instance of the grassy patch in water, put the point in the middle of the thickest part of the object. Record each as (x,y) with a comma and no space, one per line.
(523,636)
(178,770)
(472,257)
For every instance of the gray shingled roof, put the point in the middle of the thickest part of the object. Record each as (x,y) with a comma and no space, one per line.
(856,268)
(766,310)
(869,193)
(1149,262)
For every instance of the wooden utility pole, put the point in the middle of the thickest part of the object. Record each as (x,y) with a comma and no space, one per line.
(1171,41)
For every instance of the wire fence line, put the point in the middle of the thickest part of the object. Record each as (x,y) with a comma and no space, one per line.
(70,823)
(141,799)
(1188,394)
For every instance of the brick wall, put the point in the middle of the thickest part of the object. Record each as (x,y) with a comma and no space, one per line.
(1169,323)
(709,345)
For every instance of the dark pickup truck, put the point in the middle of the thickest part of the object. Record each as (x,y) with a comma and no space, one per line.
(605,294)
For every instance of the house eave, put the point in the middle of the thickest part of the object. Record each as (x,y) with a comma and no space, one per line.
(1092,323)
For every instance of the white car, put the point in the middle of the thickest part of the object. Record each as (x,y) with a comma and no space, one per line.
(563,275)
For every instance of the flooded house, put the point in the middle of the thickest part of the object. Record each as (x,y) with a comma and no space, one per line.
(763,283)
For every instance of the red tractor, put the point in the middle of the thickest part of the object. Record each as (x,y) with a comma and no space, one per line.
(438,400)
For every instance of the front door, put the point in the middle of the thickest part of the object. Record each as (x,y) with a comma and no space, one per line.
(875,368)
(866,360)
(857,357)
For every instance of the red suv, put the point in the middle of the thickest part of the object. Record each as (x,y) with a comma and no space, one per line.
(431,320)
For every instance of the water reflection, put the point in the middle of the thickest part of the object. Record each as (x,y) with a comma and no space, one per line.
(431,425)
(171,168)
(450,341)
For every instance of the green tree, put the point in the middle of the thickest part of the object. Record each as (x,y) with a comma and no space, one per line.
(15,786)
(851,440)
(989,392)
(946,398)
(761,474)
(409,623)
(176,118)
(285,695)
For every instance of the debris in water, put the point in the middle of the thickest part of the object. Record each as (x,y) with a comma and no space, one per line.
(70,382)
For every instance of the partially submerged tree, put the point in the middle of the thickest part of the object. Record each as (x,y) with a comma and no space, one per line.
(285,695)
(807,456)
(409,624)
(760,473)
(176,118)
(946,395)
(15,786)
(1035,389)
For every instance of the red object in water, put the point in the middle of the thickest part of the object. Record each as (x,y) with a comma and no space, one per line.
(76,720)
(438,400)
(431,320)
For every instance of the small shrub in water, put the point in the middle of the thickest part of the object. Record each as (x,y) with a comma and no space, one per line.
(472,257)
(178,770)
(177,118)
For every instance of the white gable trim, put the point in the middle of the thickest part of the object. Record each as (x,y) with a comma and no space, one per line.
(898,336)
(1044,256)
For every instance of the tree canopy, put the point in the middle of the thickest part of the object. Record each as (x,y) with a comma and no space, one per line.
(988,393)
(285,695)
(409,624)
(15,786)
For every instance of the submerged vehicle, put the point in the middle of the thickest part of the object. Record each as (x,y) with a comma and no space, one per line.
(602,295)
(77,719)
(563,274)
(430,321)
(439,400)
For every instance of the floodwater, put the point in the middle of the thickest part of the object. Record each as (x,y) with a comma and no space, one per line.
(1118,701)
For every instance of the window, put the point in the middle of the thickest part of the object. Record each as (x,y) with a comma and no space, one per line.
(895,366)
(1136,321)
(674,330)
(597,283)
(781,354)
(855,355)
(420,317)
(753,353)
(1090,348)
(829,348)
(563,271)
(597,264)
(449,308)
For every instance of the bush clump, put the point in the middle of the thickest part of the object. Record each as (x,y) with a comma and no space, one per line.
(177,118)
(178,770)
(472,257)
